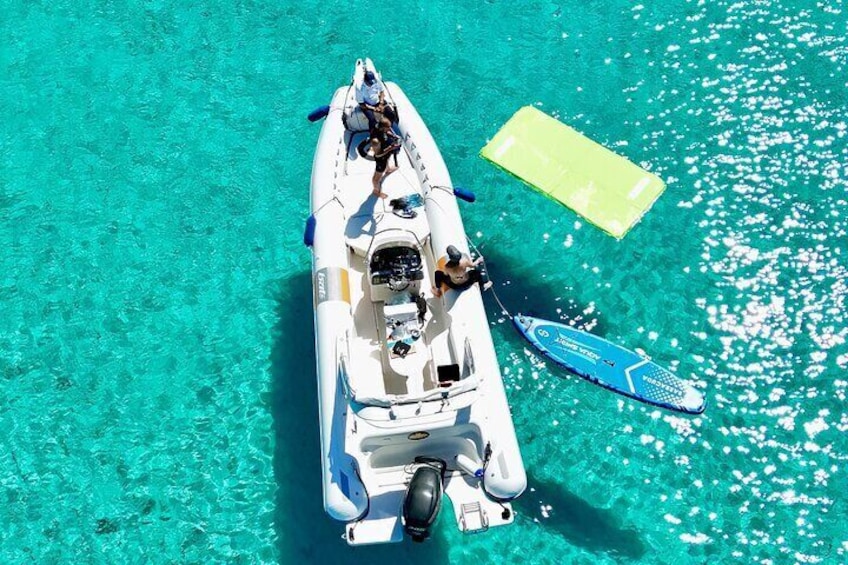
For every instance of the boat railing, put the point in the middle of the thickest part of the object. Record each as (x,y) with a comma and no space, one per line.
(468,360)
(341,365)
(440,393)
(469,381)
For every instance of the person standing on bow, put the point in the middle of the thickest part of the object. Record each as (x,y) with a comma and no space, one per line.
(384,142)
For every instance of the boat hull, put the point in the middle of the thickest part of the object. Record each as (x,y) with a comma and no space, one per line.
(380,409)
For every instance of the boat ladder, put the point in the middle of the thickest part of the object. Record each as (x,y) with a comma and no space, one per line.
(473,518)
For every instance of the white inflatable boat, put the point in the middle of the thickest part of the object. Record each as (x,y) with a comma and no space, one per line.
(411,400)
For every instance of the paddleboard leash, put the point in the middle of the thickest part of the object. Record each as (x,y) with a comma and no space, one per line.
(486,268)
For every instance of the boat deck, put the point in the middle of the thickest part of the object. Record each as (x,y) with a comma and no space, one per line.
(371,345)
(367,214)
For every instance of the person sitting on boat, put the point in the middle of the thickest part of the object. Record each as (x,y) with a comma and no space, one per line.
(371,97)
(384,143)
(459,272)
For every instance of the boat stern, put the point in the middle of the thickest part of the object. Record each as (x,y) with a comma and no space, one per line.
(474,476)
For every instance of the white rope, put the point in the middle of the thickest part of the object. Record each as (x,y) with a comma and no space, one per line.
(488,274)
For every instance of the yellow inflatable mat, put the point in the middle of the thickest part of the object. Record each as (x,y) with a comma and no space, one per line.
(606,189)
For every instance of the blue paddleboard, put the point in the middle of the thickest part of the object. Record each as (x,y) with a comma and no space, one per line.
(610,366)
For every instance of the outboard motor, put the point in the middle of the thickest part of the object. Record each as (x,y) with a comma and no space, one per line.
(423,498)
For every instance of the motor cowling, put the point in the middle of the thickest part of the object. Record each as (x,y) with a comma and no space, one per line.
(423,498)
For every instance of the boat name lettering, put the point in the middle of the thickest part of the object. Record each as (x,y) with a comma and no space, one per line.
(321,284)
(331,283)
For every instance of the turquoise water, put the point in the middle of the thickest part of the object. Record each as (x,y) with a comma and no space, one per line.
(159,400)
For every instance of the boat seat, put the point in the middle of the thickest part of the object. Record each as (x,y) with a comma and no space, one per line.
(393,382)
(405,352)
(354,118)
(402,325)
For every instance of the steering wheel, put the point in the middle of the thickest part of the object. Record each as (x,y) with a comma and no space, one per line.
(398,282)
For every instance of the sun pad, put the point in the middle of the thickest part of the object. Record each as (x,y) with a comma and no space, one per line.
(606,189)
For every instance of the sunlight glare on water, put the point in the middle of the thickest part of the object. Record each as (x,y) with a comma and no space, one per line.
(156,339)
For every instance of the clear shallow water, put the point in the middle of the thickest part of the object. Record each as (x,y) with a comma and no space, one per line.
(156,339)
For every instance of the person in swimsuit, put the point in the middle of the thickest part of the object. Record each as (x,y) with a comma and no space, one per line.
(459,273)
(383,144)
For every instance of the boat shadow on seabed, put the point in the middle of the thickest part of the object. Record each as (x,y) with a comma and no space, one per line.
(305,533)
(578,522)
(523,291)
(581,524)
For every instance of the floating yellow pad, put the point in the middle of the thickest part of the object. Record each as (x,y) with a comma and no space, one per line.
(606,189)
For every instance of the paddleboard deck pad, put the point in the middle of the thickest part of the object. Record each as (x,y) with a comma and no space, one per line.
(610,366)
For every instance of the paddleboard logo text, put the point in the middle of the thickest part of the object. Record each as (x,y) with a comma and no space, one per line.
(662,385)
(571,346)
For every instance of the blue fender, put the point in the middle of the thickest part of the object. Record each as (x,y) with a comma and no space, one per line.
(464,194)
(318,113)
(309,232)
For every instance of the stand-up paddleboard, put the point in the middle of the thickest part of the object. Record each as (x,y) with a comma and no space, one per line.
(610,366)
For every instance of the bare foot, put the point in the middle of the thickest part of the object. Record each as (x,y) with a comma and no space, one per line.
(379,194)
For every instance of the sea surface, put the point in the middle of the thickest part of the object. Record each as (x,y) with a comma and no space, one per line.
(156,337)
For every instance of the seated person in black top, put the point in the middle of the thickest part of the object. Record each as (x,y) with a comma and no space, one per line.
(459,273)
